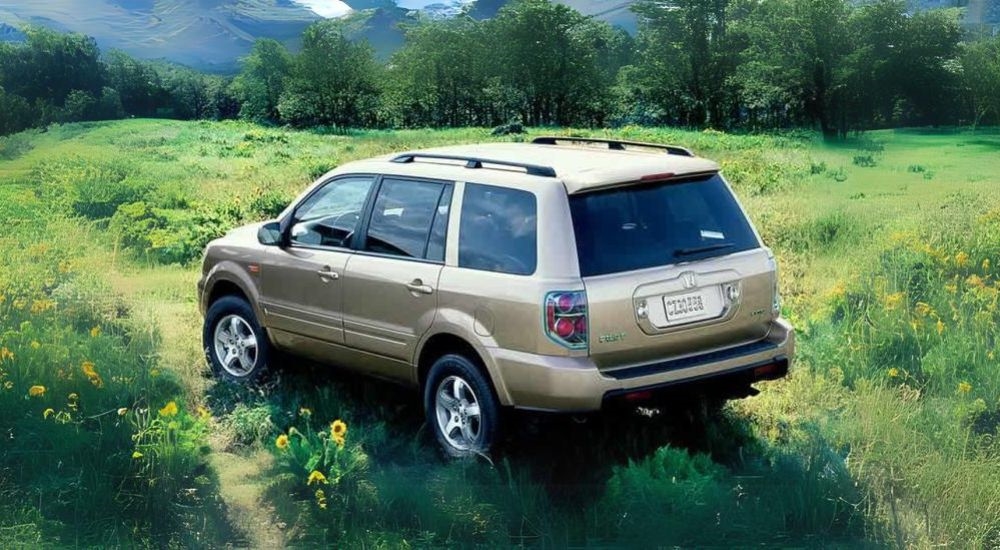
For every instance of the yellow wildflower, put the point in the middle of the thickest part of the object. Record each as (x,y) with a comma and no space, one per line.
(338,428)
(924,309)
(338,432)
(940,327)
(168,410)
(975,281)
(893,372)
(41,306)
(964,387)
(6,354)
(986,265)
(281,442)
(893,300)
(136,455)
(316,476)
(122,411)
(838,291)
(36,391)
(305,411)
(35,344)
(95,332)
(321,499)
(961,259)
(48,413)
(92,375)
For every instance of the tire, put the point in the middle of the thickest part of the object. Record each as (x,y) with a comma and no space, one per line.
(454,387)
(249,355)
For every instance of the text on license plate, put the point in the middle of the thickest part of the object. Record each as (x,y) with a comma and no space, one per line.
(685,306)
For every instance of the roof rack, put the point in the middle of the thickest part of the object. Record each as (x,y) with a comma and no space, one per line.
(614,144)
(475,162)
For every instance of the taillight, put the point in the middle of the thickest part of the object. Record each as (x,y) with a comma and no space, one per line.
(566,318)
(775,294)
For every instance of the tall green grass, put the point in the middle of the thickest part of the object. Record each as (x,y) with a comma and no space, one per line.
(885,434)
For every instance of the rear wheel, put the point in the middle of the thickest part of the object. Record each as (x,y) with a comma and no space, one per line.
(235,345)
(461,408)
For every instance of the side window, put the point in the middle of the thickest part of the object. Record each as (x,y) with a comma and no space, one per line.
(439,229)
(330,216)
(498,231)
(403,218)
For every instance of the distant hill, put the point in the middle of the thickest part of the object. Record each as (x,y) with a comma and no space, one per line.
(213,34)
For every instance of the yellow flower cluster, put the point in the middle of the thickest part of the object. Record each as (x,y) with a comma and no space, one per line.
(321,499)
(338,432)
(893,372)
(893,300)
(964,387)
(6,355)
(169,410)
(36,391)
(281,442)
(41,306)
(316,476)
(91,373)
(95,332)
(961,259)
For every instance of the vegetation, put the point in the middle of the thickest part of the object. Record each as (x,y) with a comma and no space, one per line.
(885,434)
(834,65)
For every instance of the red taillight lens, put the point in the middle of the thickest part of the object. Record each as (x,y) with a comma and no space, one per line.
(566,318)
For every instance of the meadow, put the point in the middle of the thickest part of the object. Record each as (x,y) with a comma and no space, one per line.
(112,433)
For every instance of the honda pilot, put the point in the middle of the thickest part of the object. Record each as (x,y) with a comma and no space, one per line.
(565,274)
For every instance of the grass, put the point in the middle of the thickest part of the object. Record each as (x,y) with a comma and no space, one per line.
(886,434)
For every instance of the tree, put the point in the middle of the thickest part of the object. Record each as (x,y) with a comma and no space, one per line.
(980,79)
(262,81)
(333,81)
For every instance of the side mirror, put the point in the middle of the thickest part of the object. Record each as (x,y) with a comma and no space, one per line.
(270,234)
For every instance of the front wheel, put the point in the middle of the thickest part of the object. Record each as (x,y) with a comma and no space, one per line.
(235,345)
(462,410)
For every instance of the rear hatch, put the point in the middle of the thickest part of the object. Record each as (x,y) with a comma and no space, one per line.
(671,269)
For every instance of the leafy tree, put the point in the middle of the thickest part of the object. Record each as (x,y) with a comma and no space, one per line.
(333,81)
(979,73)
(262,81)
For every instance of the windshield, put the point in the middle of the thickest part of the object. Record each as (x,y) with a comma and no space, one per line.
(652,225)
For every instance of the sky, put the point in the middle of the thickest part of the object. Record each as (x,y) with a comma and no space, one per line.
(325,8)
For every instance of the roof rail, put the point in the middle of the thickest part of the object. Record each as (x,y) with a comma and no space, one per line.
(614,144)
(475,162)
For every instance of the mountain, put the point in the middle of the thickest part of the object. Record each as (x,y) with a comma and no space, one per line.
(208,34)
(213,34)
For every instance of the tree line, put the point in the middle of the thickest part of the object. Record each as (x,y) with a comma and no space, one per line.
(752,65)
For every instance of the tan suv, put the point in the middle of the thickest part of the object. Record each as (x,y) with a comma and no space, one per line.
(560,275)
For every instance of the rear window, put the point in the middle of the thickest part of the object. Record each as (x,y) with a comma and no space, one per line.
(498,231)
(653,225)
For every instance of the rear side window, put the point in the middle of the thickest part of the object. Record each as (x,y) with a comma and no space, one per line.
(403,218)
(652,225)
(499,230)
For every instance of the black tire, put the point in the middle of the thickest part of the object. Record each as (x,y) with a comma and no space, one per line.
(485,425)
(224,310)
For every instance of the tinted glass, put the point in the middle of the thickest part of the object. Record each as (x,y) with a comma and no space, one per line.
(498,231)
(646,226)
(329,217)
(439,229)
(402,218)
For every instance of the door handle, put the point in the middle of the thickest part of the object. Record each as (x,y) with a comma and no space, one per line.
(417,286)
(327,273)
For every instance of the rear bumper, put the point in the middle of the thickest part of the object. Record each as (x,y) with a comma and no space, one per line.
(574,384)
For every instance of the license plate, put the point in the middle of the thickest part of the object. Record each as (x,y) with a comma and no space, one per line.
(704,303)
(685,306)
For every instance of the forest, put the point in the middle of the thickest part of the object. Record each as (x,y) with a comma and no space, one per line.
(735,65)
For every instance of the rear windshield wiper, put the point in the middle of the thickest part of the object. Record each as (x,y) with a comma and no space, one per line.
(700,249)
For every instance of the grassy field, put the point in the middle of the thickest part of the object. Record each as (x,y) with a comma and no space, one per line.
(886,434)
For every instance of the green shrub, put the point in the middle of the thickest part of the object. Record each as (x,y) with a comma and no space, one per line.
(865,161)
